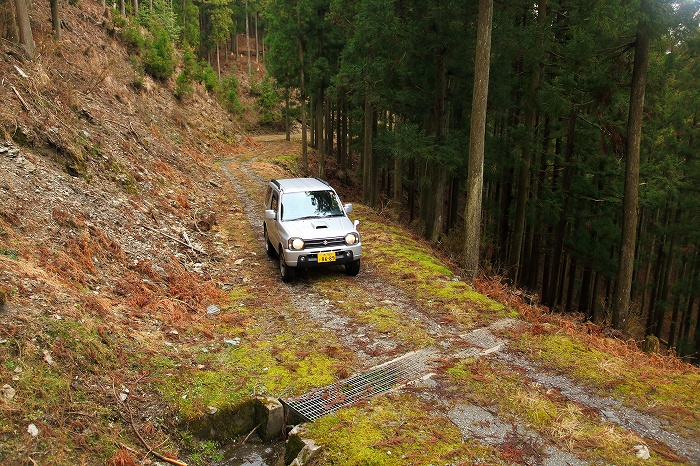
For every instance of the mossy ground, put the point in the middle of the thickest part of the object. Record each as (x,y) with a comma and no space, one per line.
(396,429)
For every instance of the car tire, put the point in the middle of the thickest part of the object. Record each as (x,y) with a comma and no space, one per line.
(269,248)
(286,272)
(353,268)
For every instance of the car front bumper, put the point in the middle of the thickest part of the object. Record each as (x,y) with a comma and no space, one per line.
(308,259)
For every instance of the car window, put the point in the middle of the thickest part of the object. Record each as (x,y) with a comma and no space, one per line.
(273,202)
(268,193)
(310,204)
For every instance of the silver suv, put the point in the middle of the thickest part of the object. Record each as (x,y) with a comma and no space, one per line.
(306,225)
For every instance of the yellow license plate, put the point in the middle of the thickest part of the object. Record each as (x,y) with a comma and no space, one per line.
(326,257)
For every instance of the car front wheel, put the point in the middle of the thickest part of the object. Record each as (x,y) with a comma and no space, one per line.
(286,272)
(353,268)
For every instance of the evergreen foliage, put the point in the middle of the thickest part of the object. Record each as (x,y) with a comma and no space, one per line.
(269,101)
(159,53)
(229,94)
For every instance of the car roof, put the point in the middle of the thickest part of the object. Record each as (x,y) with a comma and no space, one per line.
(301,184)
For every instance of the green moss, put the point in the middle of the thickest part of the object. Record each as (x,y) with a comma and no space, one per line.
(290,163)
(394,430)
(248,369)
(123,177)
(414,267)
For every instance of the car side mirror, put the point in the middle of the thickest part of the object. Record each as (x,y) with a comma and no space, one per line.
(348,208)
(270,214)
(356,222)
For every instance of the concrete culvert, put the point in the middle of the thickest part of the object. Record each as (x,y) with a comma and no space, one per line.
(256,424)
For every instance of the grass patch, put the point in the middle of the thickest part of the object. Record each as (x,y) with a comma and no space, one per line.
(58,377)
(489,383)
(659,391)
(9,253)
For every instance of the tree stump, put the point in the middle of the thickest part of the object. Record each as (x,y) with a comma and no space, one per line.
(651,344)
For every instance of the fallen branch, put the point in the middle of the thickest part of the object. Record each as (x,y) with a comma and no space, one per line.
(191,246)
(138,434)
(24,104)
(251,433)
(150,450)
(21,72)
(128,448)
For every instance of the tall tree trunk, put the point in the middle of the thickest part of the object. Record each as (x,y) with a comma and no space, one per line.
(302,80)
(514,258)
(665,282)
(55,20)
(26,40)
(340,156)
(320,141)
(312,122)
(455,197)
(367,153)
(684,339)
(658,278)
(346,160)
(218,62)
(630,204)
(584,301)
(571,287)
(533,276)
(8,21)
(556,285)
(247,35)
(477,134)
(257,40)
(287,129)
(439,203)
(397,184)
(411,190)
(676,316)
(441,110)
(696,341)
(505,195)
(647,273)
(594,298)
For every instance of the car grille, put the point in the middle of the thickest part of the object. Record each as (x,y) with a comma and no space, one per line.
(324,242)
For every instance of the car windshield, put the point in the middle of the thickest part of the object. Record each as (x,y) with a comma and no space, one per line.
(310,204)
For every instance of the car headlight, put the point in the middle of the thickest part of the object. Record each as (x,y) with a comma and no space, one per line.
(352,238)
(296,244)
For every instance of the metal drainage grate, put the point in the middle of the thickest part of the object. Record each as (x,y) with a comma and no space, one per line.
(379,379)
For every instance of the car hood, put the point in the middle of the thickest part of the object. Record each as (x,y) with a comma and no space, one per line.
(320,227)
